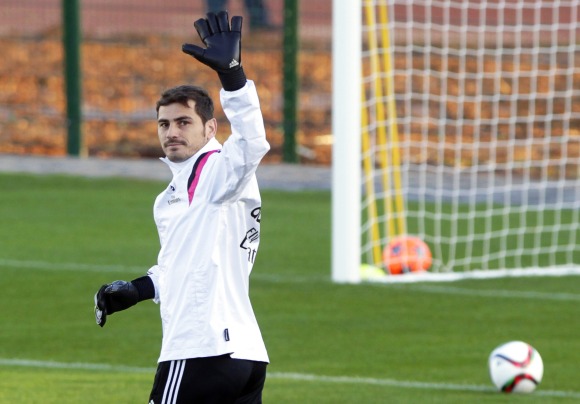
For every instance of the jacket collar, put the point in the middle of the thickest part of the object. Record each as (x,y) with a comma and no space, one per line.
(213,144)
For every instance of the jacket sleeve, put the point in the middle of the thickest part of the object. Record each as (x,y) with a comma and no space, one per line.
(242,152)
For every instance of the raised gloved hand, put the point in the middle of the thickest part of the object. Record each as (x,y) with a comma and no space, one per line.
(113,297)
(223,52)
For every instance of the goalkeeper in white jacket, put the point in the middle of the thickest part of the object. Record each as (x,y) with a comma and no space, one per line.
(208,221)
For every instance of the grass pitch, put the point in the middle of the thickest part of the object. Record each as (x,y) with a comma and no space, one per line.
(62,237)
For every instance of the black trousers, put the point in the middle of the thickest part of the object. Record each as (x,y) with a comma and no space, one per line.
(216,379)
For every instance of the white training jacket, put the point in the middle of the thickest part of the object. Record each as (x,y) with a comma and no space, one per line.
(208,221)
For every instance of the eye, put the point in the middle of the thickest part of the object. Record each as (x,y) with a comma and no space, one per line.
(163,124)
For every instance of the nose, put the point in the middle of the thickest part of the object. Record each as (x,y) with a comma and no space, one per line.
(172,132)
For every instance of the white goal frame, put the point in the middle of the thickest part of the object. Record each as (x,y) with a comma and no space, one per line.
(346,124)
(348,181)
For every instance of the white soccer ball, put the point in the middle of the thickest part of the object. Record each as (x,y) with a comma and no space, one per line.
(516,367)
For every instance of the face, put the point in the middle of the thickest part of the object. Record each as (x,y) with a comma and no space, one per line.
(181,131)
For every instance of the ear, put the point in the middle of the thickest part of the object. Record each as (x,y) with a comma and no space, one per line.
(210,129)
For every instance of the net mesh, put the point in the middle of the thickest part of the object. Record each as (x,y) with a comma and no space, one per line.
(471,131)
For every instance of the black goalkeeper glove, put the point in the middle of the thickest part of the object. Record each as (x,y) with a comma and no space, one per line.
(121,295)
(114,297)
(223,52)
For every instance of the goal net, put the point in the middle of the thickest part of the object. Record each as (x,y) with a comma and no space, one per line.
(469,139)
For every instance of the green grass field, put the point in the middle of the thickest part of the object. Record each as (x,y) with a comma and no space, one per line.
(62,237)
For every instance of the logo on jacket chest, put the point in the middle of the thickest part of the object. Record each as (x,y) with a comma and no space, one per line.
(172,196)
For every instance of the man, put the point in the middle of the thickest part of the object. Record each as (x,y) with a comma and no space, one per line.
(208,221)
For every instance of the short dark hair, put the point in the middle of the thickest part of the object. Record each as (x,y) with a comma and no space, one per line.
(182,94)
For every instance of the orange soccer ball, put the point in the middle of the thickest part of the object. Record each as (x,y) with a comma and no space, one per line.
(406,254)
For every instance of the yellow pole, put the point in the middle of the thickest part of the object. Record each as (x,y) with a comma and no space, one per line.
(374,233)
(381,130)
(392,109)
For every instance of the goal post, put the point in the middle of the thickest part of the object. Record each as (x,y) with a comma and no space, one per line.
(346,123)
(468,117)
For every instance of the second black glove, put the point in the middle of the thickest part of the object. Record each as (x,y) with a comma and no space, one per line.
(114,297)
